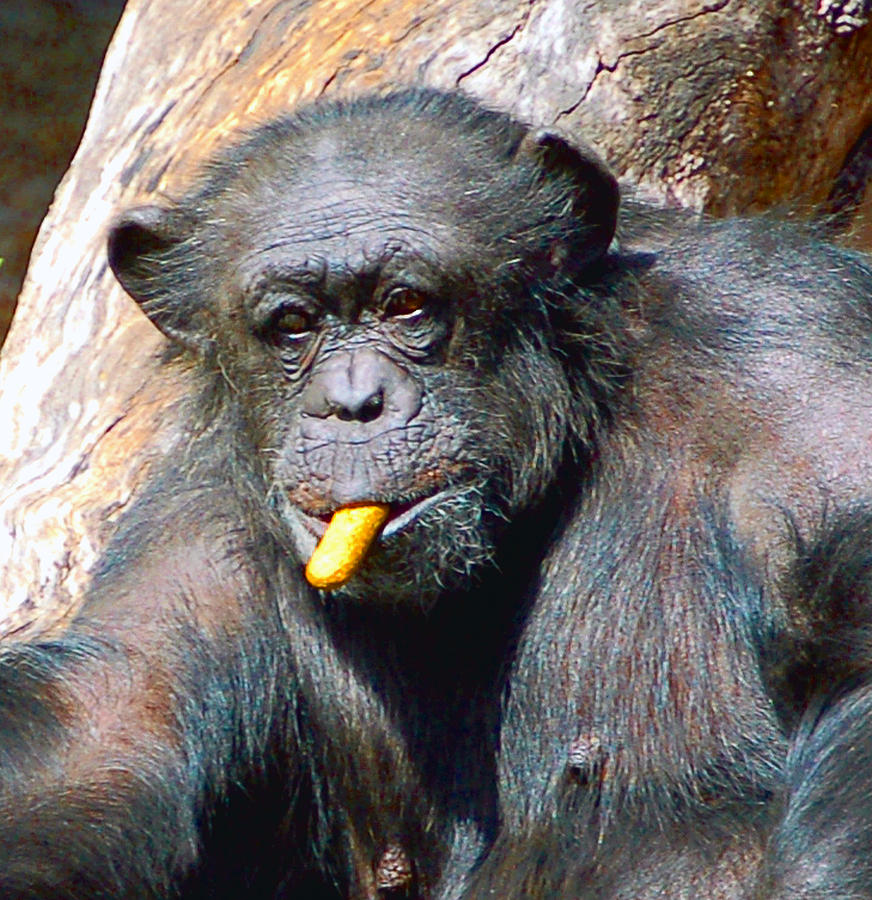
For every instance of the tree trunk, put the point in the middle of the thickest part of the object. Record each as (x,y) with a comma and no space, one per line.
(721,105)
(43,105)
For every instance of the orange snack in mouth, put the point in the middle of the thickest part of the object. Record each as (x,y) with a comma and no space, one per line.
(344,545)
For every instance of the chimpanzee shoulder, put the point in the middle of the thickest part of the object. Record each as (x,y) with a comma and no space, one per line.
(724,525)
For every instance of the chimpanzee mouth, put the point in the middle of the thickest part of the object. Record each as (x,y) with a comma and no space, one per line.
(408,549)
(400,516)
(403,514)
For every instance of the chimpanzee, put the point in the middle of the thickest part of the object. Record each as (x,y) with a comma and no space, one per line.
(607,634)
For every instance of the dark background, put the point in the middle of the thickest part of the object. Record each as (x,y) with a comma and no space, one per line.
(51,55)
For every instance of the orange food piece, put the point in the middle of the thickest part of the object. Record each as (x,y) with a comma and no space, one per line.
(344,545)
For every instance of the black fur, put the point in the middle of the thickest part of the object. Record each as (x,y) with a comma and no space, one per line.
(614,641)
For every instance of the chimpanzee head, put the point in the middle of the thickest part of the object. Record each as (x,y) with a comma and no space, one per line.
(380,283)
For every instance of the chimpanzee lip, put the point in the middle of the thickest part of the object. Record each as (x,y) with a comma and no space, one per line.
(401,515)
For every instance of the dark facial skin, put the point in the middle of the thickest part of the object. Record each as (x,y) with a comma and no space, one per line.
(381,404)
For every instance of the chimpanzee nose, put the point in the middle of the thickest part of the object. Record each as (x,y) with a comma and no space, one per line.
(362,386)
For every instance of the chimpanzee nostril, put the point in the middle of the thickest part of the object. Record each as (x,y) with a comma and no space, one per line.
(366,411)
(373,407)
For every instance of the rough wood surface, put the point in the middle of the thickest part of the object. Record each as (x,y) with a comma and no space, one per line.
(43,104)
(726,105)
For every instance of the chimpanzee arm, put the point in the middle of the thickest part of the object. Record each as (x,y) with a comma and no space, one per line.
(821,848)
(95,799)
(117,739)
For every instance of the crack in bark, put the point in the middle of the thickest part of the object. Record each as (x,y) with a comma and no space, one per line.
(84,461)
(353,56)
(602,65)
(500,43)
(563,113)
(718,6)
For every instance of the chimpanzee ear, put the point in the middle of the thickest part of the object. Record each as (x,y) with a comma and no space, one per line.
(144,253)
(597,196)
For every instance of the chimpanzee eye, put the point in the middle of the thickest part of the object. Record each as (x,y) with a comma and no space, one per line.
(292,323)
(404,303)
(412,322)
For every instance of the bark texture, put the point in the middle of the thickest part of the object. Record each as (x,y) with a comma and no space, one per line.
(51,57)
(723,105)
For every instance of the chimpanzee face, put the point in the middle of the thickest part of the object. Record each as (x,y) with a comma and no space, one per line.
(376,291)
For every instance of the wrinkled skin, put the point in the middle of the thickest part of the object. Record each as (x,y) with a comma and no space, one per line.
(612,641)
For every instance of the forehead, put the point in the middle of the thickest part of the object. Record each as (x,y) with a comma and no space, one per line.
(366,191)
